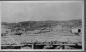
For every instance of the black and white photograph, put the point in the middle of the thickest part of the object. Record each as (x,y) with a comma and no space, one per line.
(42,25)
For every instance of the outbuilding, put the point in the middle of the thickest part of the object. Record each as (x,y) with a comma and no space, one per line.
(76,30)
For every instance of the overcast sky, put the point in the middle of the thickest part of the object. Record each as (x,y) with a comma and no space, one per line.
(30,11)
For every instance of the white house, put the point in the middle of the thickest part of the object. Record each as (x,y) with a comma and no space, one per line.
(76,30)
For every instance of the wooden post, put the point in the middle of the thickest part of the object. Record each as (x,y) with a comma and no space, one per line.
(32,45)
(63,46)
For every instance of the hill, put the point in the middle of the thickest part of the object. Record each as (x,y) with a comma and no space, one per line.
(41,25)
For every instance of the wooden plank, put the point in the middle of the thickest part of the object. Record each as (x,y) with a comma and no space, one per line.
(55,44)
(41,44)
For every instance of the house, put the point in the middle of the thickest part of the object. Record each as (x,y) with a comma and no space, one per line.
(76,30)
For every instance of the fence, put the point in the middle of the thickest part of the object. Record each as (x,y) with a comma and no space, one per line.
(33,46)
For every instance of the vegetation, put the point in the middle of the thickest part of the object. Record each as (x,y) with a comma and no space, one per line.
(40,32)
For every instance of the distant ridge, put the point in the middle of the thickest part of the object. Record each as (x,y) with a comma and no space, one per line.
(32,25)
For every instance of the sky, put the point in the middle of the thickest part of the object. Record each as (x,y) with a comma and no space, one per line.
(17,11)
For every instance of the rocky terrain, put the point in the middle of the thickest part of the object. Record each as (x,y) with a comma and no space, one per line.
(27,32)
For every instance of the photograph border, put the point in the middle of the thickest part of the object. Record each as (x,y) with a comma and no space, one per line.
(52,49)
